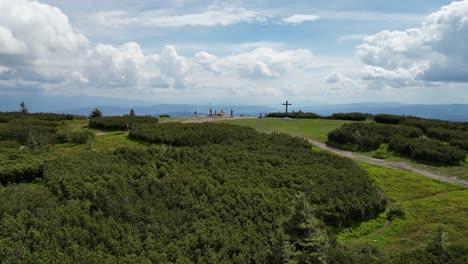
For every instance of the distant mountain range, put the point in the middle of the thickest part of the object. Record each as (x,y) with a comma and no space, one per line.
(82,105)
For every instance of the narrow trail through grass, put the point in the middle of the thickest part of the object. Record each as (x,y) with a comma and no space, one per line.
(390,164)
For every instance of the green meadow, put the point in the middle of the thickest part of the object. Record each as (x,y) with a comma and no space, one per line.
(427,204)
(310,128)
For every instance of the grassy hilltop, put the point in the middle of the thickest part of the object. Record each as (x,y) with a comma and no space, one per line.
(213,193)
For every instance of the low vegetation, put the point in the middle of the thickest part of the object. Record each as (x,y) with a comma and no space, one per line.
(434,145)
(210,199)
(120,122)
(216,193)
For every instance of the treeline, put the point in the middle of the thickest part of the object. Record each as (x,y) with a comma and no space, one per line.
(355,116)
(453,133)
(9,116)
(120,122)
(404,135)
(33,132)
(422,123)
(293,114)
(308,115)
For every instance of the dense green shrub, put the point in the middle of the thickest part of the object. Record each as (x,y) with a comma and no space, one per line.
(192,134)
(120,122)
(33,122)
(9,144)
(8,116)
(350,116)
(426,124)
(427,150)
(81,137)
(21,165)
(445,134)
(369,136)
(300,114)
(461,143)
(164,115)
(389,119)
(197,203)
(29,134)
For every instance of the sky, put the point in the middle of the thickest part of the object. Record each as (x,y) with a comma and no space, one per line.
(236,52)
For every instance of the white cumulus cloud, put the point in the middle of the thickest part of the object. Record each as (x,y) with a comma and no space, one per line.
(39,46)
(259,63)
(437,51)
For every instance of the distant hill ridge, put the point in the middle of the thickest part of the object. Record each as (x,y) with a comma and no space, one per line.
(83,105)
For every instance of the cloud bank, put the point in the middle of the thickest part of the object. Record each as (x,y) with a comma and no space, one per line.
(437,51)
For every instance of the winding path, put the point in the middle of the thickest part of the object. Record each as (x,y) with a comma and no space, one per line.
(389,164)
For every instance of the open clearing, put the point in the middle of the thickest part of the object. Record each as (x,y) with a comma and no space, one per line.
(427,204)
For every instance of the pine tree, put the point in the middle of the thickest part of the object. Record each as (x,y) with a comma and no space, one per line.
(308,239)
(132,112)
(95,113)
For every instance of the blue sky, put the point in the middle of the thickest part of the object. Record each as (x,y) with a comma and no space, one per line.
(237,52)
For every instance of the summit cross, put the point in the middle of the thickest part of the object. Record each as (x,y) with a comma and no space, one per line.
(287,104)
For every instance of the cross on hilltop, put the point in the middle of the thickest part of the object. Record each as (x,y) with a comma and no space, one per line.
(287,104)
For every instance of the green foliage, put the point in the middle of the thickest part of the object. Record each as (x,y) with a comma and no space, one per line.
(308,241)
(21,165)
(81,137)
(120,122)
(32,135)
(405,140)
(426,124)
(427,150)
(369,136)
(9,144)
(396,211)
(95,113)
(224,202)
(164,116)
(350,116)
(9,116)
(389,119)
(293,114)
(192,134)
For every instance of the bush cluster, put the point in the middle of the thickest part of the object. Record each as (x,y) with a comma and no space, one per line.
(33,135)
(369,136)
(81,137)
(21,165)
(389,119)
(446,142)
(300,114)
(350,116)
(120,122)
(8,116)
(179,134)
(424,149)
